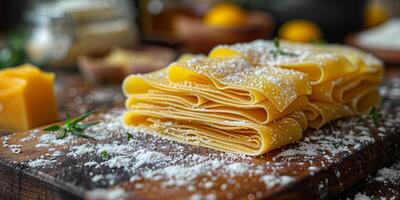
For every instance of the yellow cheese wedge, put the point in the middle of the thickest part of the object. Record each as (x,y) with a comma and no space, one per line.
(27,98)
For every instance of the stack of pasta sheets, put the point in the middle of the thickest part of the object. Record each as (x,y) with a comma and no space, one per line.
(221,103)
(344,80)
(246,99)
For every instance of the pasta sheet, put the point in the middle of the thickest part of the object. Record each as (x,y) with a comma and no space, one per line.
(223,103)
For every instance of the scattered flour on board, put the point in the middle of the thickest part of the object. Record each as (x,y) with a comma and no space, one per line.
(388,175)
(203,197)
(39,163)
(114,194)
(360,196)
(154,159)
(272,180)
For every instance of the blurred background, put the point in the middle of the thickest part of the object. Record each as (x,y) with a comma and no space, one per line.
(108,39)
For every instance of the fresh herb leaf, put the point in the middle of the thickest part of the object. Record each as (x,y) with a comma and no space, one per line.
(318,42)
(13,52)
(130,136)
(375,115)
(72,126)
(105,155)
(85,126)
(53,128)
(81,118)
(279,51)
(277,43)
(62,134)
(80,134)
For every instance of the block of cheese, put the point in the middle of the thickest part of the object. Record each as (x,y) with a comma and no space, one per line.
(27,98)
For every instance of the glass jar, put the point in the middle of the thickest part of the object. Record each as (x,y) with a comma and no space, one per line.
(61,31)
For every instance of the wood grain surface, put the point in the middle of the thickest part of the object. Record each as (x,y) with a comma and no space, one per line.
(324,164)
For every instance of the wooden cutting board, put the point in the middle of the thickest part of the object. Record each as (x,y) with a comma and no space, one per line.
(35,165)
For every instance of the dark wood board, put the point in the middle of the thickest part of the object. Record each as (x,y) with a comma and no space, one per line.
(337,162)
(385,184)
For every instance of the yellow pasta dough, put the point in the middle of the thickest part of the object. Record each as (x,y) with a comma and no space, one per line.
(246,98)
(280,86)
(320,113)
(261,113)
(217,98)
(339,74)
(231,136)
(319,63)
(227,78)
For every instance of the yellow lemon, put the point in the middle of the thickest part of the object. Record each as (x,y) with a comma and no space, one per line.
(226,15)
(375,14)
(300,31)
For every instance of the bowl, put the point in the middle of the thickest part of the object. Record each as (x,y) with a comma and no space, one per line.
(198,37)
(99,69)
(388,56)
(337,18)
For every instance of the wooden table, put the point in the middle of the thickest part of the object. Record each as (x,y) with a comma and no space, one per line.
(321,166)
(378,186)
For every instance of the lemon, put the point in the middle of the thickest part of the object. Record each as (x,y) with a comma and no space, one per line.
(375,14)
(300,30)
(226,15)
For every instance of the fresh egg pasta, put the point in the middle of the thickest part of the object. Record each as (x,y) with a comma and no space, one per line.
(254,97)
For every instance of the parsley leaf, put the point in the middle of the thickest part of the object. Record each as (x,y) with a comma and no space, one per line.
(105,155)
(61,134)
(53,128)
(279,51)
(130,136)
(318,42)
(81,118)
(375,115)
(72,126)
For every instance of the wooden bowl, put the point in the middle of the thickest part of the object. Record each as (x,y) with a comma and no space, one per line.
(388,56)
(201,38)
(97,70)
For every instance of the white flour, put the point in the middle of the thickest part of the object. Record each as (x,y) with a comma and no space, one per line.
(385,36)
(146,159)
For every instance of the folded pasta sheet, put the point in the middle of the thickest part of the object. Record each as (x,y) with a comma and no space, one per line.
(342,77)
(255,97)
(232,136)
(319,63)
(341,90)
(226,101)
(279,86)
(320,113)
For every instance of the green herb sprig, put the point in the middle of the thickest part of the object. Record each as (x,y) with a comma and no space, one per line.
(373,115)
(130,136)
(105,155)
(278,51)
(318,42)
(13,53)
(72,126)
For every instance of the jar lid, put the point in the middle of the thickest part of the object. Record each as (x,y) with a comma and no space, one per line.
(77,10)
